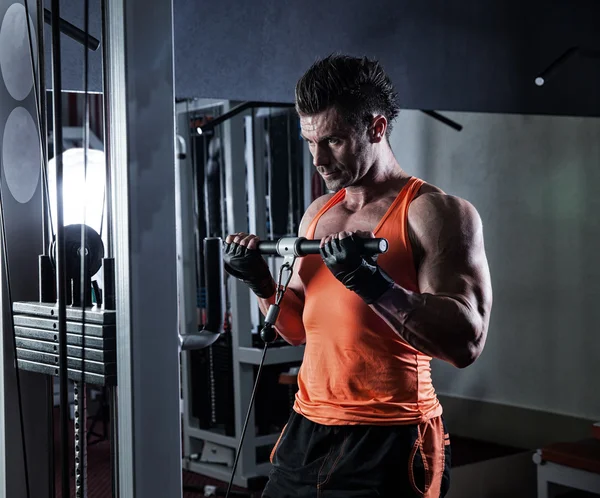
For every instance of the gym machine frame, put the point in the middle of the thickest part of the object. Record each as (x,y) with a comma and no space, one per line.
(244,166)
(139,143)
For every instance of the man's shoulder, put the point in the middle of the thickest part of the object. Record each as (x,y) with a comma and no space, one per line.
(318,203)
(312,211)
(432,201)
(434,213)
(428,188)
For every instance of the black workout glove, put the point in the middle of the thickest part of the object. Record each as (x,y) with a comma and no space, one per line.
(358,273)
(249,266)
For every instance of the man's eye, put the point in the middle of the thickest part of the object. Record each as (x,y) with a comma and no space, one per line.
(333,141)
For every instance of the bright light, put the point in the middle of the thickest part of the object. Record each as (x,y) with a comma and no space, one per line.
(83,201)
(539,81)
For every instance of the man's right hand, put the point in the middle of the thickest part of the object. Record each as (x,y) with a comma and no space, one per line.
(244,262)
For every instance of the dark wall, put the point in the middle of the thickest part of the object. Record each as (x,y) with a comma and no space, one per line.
(471,55)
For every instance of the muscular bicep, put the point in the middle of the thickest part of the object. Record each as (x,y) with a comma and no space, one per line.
(453,261)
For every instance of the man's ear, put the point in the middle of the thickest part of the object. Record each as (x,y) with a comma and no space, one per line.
(378,128)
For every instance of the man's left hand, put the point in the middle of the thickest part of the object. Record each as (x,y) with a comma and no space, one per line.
(341,253)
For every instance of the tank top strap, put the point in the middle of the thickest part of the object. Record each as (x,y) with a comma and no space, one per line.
(400,205)
(338,197)
(414,186)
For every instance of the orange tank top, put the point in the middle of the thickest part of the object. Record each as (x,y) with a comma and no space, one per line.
(356,369)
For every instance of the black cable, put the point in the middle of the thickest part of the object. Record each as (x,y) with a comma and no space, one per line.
(85,263)
(14,340)
(239,448)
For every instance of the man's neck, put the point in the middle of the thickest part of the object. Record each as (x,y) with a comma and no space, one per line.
(383,177)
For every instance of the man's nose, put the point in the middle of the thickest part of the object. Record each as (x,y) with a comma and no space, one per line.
(321,156)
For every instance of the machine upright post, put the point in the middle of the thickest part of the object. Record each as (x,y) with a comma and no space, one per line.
(140,143)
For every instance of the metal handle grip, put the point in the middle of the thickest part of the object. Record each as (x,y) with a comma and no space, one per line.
(300,246)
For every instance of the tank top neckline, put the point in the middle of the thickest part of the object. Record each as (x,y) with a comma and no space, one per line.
(340,195)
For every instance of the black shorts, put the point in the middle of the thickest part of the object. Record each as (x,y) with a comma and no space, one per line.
(360,461)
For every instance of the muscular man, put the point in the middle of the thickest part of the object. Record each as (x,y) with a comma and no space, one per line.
(366,419)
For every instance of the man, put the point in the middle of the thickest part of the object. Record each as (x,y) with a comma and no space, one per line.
(366,419)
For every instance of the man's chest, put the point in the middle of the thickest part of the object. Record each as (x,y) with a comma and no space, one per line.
(339,218)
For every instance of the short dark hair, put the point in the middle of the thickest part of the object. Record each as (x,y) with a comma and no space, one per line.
(357,87)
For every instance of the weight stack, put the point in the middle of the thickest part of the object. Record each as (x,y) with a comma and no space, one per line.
(90,350)
(212,386)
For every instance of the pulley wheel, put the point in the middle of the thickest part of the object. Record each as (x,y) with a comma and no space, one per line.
(93,245)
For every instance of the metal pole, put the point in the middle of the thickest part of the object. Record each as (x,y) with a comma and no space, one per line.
(109,273)
(107,131)
(114,438)
(46,224)
(60,250)
(141,91)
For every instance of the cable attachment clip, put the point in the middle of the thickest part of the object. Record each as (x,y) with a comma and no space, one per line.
(268,333)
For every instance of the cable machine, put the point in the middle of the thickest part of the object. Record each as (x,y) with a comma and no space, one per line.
(126,331)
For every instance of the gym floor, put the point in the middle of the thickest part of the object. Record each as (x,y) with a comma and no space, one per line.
(477,465)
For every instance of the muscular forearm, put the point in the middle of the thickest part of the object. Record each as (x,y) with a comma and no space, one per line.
(289,323)
(438,326)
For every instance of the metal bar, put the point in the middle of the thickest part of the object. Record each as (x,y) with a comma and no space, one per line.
(143,182)
(115,146)
(107,131)
(184,229)
(443,119)
(256,196)
(308,170)
(60,248)
(85,285)
(260,185)
(237,110)
(71,30)
(212,436)
(114,439)
(590,53)
(235,197)
(290,170)
(49,311)
(556,63)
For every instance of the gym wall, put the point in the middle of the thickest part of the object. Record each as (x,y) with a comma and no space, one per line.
(534,182)
(460,56)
